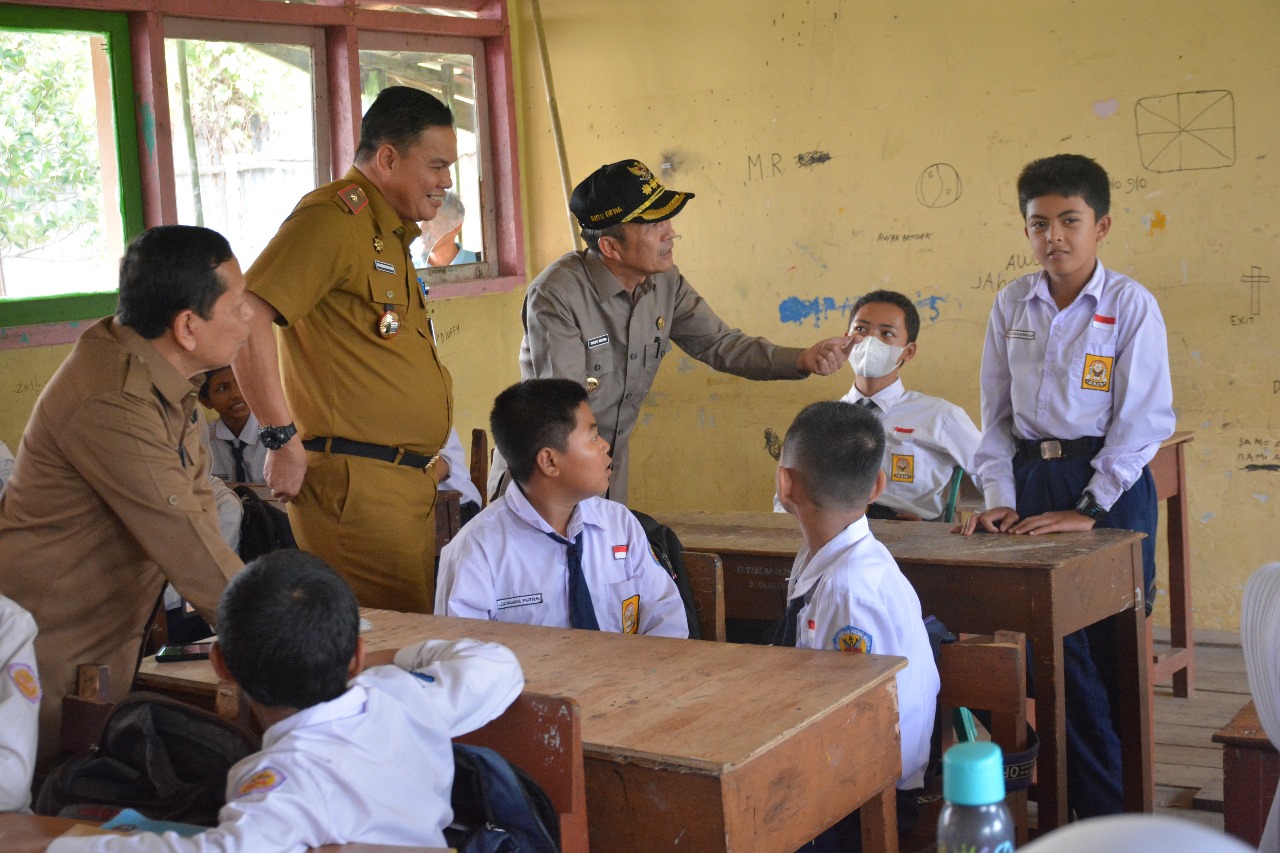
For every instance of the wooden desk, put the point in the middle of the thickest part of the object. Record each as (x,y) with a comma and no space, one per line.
(1250,773)
(32,834)
(1169,470)
(1044,586)
(692,745)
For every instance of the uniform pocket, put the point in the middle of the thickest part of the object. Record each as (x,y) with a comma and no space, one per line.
(1092,368)
(622,601)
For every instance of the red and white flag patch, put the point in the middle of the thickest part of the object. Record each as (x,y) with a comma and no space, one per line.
(619,552)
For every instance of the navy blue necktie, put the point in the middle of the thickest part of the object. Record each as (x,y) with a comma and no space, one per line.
(582,614)
(786,633)
(237,454)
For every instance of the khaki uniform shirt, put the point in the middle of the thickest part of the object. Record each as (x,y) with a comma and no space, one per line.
(110,497)
(332,272)
(581,324)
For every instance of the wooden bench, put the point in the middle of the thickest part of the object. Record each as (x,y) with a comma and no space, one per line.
(706,580)
(1250,772)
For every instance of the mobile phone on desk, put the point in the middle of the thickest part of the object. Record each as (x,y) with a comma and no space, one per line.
(190,651)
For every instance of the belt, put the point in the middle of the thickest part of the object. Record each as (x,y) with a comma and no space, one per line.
(1060,448)
(381,452)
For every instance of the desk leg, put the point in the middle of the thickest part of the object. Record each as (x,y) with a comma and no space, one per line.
(1180,627)
(879,817)
(1133,717)
(1051,725)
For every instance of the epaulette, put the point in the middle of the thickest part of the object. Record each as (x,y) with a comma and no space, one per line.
(354,198)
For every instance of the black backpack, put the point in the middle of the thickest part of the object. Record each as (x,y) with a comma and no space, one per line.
(666,547)
(164,758)
(263,528)
(497,807)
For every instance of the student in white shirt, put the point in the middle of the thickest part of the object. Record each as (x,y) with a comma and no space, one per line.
(846,592)
(235,430)
(552,551)
(19,706)
(347,756)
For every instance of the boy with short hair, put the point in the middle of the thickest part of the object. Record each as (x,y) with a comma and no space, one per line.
(235,454)
(19,706)
(1076,399)
(552,551)
(846,592)
(926,437)
(346,756)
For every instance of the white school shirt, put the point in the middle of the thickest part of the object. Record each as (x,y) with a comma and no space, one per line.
(222,463)
(374,765)
(503,566)
(1099,367)
(19,705)
(459,478)
(859,601)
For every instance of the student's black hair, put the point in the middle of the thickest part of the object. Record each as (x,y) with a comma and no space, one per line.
(1066,175)
(591,236)
(397,117)
(891,297)
(836,449)
(287,625)
(208,379)
(167,270)
(531,415)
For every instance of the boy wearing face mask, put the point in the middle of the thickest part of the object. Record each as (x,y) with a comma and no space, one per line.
(925,437)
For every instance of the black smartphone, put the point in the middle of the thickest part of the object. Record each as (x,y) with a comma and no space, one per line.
(190,651)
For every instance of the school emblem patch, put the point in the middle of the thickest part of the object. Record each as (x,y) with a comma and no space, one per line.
(24,678)
(853,640)
(904,468)
(1097,372)
(631,615)
(266,779)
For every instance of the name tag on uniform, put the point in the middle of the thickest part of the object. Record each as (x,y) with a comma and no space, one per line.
(592,343)
(1019,334)
(383,266)
(519,601)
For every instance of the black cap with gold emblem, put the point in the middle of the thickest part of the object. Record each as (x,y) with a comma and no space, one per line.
(625,191)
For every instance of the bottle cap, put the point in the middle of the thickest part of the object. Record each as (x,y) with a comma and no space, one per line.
(973,774)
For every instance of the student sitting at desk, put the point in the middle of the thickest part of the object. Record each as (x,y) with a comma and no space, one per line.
(552,551)
(1076,399)
(926,437)
(235,454)
(19,706)
(845,591)
(346,756)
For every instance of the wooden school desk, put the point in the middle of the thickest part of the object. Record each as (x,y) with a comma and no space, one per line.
(32,834)
(693,745)
(1044,586)
(1250,772)
(1169,471)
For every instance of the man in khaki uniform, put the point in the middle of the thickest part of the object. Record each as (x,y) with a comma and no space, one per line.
(110,496)
(356,371)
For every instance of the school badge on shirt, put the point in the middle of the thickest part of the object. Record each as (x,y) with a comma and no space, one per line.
(24,678)
(266,779)
(631,615)
(853,640)
(904,468)
(1097,372)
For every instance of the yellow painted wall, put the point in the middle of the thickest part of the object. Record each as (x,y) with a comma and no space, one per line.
(712,94)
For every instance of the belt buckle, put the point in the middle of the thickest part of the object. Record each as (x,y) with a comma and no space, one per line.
(1051,449)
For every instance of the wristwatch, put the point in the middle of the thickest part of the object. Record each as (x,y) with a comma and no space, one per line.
(1086,506)
(275,437)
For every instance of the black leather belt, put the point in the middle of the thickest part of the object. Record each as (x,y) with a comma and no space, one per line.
(381,452)
(1058,448)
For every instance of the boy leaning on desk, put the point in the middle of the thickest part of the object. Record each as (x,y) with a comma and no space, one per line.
(348,754)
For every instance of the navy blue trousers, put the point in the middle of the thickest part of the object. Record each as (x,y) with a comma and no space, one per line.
(1093,747)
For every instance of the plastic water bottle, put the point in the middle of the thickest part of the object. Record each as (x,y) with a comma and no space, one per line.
(974,818)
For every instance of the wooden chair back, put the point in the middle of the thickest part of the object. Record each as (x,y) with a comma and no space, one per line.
(480,464)
(542,735)
(706,580)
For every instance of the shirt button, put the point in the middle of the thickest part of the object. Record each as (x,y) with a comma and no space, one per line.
(597,367)
(633,356)
(391,294)
(173,500)
(628,397)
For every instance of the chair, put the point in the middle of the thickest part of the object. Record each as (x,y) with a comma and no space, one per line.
(706,581)
(480,464)
(542,735)
(85,712)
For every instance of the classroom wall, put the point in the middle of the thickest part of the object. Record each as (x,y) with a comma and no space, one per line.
(836,147)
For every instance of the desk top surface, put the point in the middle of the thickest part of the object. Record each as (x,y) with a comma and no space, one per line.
(777,534)
(708,706)
(1245,729)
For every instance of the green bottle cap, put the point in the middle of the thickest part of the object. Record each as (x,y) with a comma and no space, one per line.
(973,774)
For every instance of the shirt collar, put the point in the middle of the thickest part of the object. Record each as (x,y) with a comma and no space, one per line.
(249,435)
(385,218)
(802,581)
(584,513)
(172,385)
(606,284)
(1092,288)
(884,399)
(349,704)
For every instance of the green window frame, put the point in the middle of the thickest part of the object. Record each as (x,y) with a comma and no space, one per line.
(114,29)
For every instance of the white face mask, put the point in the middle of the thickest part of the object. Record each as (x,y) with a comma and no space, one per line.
(873,358)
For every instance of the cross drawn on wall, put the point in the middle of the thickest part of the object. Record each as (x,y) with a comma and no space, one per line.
(1186,130)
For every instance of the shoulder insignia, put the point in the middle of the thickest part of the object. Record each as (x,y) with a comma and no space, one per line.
(354,198)
(24,678)
(266,779)
(852,640)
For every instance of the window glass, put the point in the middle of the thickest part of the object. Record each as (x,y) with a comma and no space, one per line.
(61,228)
(244,135)
(457,232)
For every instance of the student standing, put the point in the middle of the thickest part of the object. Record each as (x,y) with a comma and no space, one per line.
(1076,399)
